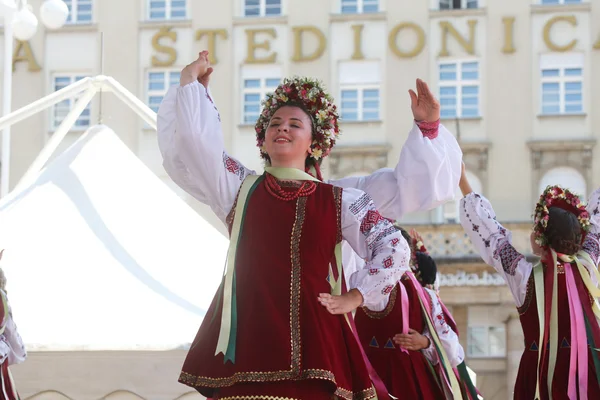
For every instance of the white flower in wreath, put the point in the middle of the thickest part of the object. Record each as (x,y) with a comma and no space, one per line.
(322,116)
(317,153)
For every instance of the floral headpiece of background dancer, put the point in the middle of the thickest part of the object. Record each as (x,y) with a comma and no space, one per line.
(308,95)
(561,223)
(553,202)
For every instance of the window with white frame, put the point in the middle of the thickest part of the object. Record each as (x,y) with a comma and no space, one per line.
(360,93)
(457,4)
(459,89)
(566,177)
(80,11)
(359,6)
(262,8)
(255,89)
(360,103)
(561,84)
(167,9)
(486,341)
(551,2)
(60,110)
(158,83)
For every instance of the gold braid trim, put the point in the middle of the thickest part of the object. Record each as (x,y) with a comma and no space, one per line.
(387,310)
(295,286)
(528,295)
(337,196)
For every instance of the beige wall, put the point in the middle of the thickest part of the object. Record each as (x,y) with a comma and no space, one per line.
(509,80)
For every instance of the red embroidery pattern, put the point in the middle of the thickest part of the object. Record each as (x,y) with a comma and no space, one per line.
(373,271)
(370,220)
(233,166)
(508,256)
(429,129)
(395,242)
(387,290)
(388,262)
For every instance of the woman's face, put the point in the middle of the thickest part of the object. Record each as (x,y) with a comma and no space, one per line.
(289,136)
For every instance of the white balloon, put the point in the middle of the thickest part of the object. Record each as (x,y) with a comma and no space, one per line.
(25,24)
(54,13)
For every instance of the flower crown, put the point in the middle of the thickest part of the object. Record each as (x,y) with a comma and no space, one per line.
(555,196)
(317,103)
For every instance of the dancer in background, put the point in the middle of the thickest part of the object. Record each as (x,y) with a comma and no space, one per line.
(12,349)
(425,270)
(556,297)
(402,359)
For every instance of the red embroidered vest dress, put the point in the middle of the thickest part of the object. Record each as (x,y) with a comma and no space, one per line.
(406,376)
(527,375)
(288,345)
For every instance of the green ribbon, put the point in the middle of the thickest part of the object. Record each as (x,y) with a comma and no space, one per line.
(443,357)
(228,329)
(226,343)
(538,278)
(466,378)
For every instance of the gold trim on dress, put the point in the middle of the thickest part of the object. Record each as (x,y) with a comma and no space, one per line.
(528,295)
(337,196)
(295,285)
(295,373)
(388,309)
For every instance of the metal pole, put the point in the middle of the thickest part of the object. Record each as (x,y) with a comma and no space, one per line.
(133,102)
(57,136)
(6,103)
(37,106)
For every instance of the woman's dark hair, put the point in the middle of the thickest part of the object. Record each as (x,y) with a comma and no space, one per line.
(563,231)
(427,268)
(405,235)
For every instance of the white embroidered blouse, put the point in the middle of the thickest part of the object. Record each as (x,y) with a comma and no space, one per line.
(494,242)
(191,142)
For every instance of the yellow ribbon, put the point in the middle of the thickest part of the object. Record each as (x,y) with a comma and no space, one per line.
(225,329)
(455,387)
(538,278)
(281,174)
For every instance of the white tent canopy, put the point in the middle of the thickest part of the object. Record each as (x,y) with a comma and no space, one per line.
(102,255)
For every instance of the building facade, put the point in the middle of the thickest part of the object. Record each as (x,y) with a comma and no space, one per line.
(517,81)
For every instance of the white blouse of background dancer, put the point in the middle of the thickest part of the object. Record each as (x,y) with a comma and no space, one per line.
(494,242)
(12,349)
(448,338)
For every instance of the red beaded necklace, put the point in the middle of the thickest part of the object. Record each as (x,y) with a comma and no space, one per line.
(274,188)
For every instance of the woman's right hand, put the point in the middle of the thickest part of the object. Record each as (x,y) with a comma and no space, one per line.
(464,185)
(199,70)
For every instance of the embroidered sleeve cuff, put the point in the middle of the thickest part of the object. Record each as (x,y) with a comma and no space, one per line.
(429,129)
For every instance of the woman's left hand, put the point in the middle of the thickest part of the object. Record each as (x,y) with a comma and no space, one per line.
(343,304)
(424,105)
(412,340)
